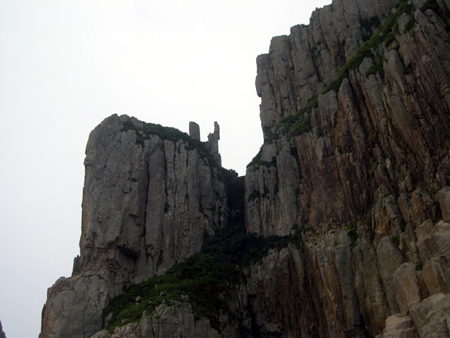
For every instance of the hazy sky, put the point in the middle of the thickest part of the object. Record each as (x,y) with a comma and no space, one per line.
(67,65)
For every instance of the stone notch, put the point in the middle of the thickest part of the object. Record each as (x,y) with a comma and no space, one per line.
(194,131)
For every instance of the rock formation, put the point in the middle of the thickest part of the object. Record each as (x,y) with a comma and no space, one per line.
(149,197)
(350,192)
(194,131)
(213,143)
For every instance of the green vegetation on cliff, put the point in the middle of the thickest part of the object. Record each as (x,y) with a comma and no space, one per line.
(169,134)
(166,133)
(300,122)
(209,278)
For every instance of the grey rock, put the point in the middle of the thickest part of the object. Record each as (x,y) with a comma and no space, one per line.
(370,143)
(194,131)
(74,306)
(418,3)
(406,287)
(398,326)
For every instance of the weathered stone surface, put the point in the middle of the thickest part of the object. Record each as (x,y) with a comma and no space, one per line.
(431,316)
(74,306)
(389,260)
(406,287)
(374,132)
(386,215)
(296,293)
(194,131)
(435,242)
(101,334)
(398,326)
(372,297)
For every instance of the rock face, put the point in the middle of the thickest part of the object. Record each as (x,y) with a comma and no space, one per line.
(375,129)
(301,65)
(150,195)
(362,171)
(213,143)
(355,167)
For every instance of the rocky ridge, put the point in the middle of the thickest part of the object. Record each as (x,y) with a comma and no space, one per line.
(349,194)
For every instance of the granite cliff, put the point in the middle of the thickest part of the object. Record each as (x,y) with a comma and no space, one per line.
(347,204)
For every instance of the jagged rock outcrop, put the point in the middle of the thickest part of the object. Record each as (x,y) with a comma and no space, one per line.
(150,196)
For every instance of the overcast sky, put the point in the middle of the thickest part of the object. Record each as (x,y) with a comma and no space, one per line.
(67,65)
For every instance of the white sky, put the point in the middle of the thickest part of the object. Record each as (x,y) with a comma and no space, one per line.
(67,65)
